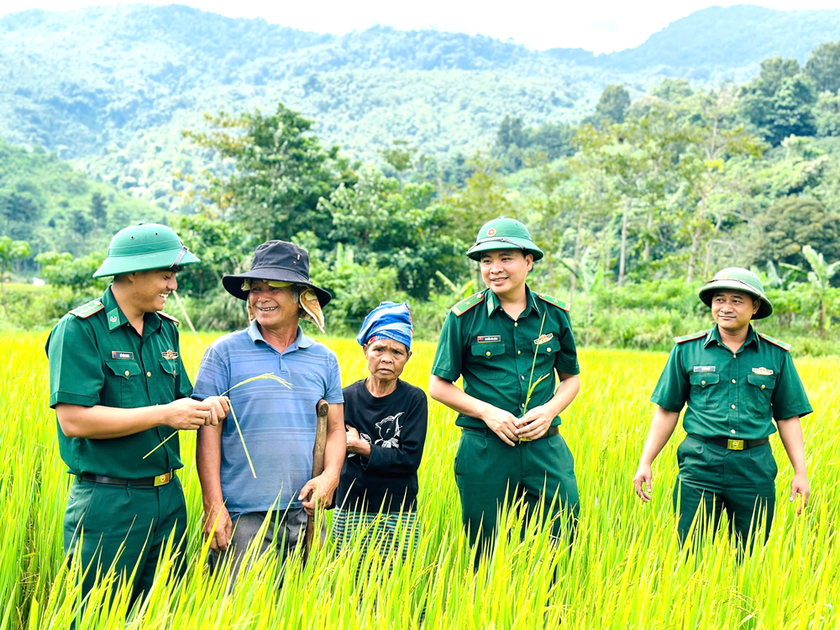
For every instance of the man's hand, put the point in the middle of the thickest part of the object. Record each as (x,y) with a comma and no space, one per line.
(642,481)
(355,443)
(220,406)
(187,414)
(800,486)
(318,491)
(534,424)
(217,524)
(502,424)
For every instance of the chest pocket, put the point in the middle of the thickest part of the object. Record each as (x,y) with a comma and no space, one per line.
(124,386)
(704,385)
(163,382)
(760,393)
(487,359)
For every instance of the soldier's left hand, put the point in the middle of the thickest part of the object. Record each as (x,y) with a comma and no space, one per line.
(800,486)
(218,411)
(534,424)
(317,491)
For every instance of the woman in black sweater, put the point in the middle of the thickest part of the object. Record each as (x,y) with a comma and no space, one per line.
(386,430)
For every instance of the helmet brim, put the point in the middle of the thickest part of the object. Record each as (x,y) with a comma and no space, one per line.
(115,265)
(504,242)
(731,284)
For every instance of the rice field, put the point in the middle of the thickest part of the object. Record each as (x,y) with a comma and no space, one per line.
(625,570)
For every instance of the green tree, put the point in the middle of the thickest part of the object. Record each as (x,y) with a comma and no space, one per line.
(613,104)
(77,273)
(793,224)
(823,66)
(10,253)
(819,279)
(405,229)
(279,172)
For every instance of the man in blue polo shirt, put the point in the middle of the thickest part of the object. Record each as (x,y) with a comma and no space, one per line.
(278,422)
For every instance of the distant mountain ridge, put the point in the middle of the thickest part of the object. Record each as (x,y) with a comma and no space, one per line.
(113,87)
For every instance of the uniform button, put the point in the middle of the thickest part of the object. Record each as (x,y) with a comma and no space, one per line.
(516,324)
(149,374)
(487,353)
(522,377)
(519,352)
(127,373)
(732,432)
(733,406)
(733,381)
(763,386)
(702,382)
(734,356)
(548,350)
(522,405)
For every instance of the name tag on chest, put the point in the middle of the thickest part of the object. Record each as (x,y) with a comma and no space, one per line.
(488,338)
(120,354)
(704,368)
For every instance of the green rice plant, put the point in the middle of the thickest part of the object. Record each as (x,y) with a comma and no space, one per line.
(625,569)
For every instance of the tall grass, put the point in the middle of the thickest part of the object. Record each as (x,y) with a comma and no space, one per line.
(625,570)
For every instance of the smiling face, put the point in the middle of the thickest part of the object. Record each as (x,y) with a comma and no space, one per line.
(505,271)
(151,288)
(733,310)
(275,308)
(386,359)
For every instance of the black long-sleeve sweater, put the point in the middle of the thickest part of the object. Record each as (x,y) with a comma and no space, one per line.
(395,428)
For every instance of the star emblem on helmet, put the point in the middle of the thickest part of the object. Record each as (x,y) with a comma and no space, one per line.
(491,232)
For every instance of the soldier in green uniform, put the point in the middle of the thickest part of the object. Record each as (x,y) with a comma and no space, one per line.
(501,341)
(119,389)
(735,382)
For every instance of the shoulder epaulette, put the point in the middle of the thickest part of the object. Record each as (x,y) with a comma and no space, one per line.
(775,342)
(169,317)
(464,305)
(691,337)
(552,300)
(86,310)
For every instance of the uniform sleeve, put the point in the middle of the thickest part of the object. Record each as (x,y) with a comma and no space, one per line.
(405,459)
(76,372)
(449,353)
(334,394)
(567,361)
(671,391)
(789,397)
(213,375)
(183,385)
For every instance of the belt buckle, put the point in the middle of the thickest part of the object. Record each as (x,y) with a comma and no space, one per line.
(735,445)
(162,480)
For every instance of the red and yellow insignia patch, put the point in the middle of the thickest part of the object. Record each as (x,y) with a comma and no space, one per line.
(169,354)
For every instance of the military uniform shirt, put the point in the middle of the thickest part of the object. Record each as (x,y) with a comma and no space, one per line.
(734,395)
(97,358)
(494,353)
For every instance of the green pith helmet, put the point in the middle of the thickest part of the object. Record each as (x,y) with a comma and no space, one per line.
(143,247)
(504,233)
(737,279)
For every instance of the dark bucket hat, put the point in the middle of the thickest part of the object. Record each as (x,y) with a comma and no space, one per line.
(279,261)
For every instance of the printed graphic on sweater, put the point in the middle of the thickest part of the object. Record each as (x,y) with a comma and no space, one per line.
(389,431)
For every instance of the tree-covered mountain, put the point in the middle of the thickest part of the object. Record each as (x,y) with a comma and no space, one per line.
(112,88)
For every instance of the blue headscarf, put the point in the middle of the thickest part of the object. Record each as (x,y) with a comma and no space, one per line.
(390,320)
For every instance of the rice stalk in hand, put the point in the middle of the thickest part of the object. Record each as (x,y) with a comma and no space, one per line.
(267,375)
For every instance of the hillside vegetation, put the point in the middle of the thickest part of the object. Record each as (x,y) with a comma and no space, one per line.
(113,87)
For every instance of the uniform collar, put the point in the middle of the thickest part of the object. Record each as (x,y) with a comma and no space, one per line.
(116,318)
(493,303)
(301,340)
(714,336)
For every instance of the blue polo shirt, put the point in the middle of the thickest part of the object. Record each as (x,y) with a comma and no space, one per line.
(278,423)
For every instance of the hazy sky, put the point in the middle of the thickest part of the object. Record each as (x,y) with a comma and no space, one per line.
(596,25)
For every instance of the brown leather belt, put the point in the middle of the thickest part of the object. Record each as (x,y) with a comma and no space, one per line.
(554,430)
(159,480)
